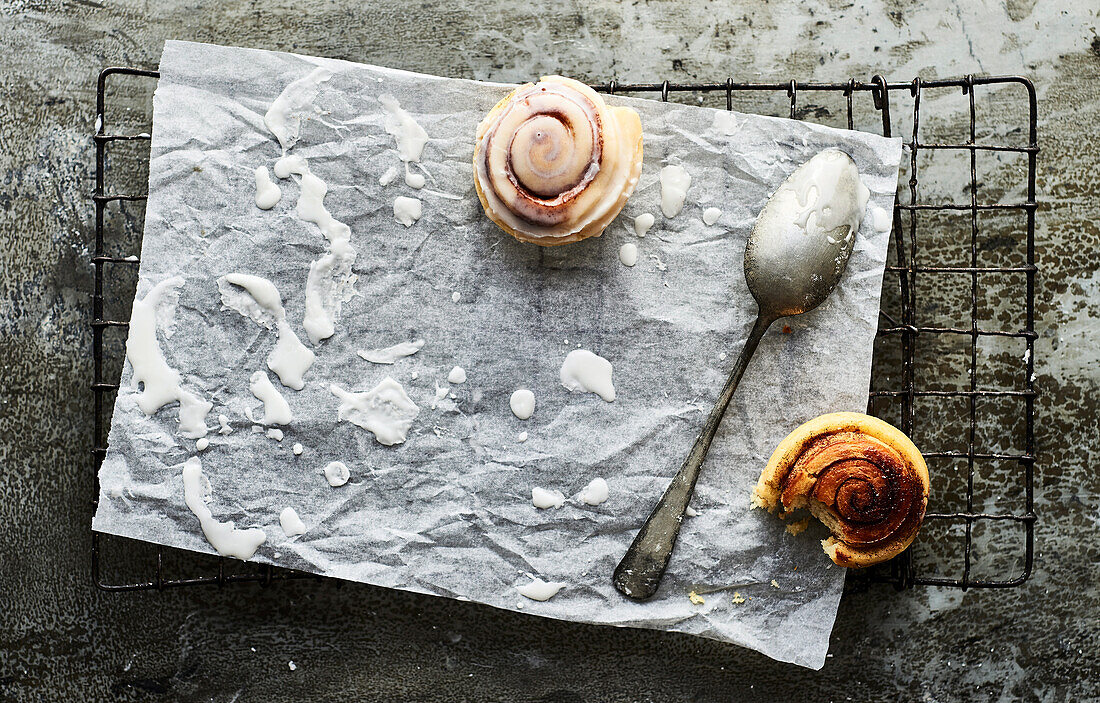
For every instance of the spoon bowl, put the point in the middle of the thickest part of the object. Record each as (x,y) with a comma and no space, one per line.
(795,255)
(793,263)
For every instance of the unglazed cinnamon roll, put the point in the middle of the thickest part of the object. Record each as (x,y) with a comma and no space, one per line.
(554,164)
(859,475)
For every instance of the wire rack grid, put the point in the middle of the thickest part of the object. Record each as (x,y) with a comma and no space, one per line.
(898,391)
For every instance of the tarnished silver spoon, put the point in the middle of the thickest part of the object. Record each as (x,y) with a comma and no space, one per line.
(795,255)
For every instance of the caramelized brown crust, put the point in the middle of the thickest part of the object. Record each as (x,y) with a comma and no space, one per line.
(857,474)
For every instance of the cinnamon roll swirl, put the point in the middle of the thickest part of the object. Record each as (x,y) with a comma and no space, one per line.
(554,164)
(859,476)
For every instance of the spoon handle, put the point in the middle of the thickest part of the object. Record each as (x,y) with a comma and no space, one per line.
(639,573)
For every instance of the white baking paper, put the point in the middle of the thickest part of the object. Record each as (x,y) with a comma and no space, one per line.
(449,511)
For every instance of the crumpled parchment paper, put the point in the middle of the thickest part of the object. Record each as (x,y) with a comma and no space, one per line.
(449,511)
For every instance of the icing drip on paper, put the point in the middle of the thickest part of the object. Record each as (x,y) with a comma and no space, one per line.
(522,403)
(159,382)
(409,136)
(260,302)
(414,180)
(407,210)
(330,281)
(284,117)
(674,185)
(457,375)
(880,219)
(268,194)
(385,410)
(543,499)
(540,590)
(595,492)
(589,373)
(726,123)
(276,409)
(387,176)
(642,224)
(628,254)
(222,536)
(336,473)
(440,395)
(290,164)
(389,355)
(290,522)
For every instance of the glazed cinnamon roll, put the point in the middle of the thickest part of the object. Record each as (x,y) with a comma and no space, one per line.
(554,164)
(859,475)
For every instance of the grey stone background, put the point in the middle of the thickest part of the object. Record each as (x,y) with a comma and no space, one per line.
(62,639)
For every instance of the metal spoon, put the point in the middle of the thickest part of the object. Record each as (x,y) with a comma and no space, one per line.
(789,271)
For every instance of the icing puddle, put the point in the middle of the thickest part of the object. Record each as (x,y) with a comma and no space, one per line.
(820,205)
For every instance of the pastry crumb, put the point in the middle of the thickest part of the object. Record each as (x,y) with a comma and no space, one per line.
(738,599)
(695,598)
(797,527)
(775,584)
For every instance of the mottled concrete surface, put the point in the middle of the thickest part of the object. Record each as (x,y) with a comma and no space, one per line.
(62,639)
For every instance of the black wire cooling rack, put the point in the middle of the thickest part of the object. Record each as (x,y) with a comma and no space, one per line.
(954,356)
